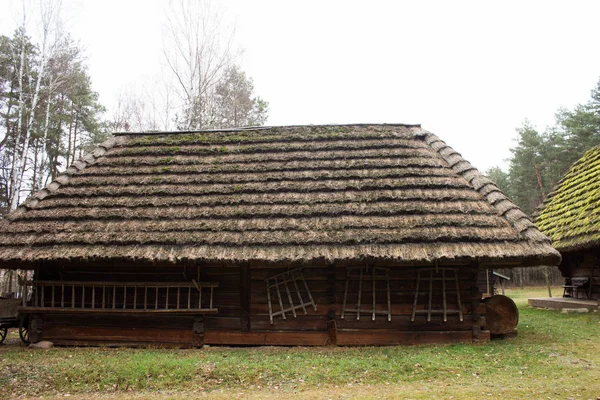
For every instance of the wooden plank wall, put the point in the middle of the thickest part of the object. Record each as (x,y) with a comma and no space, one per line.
(327,287)
(243,313)
(118,330)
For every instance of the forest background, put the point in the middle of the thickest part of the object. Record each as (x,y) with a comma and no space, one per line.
(538,162)
(50,114)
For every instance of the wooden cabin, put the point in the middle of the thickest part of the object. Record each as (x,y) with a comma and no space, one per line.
(570,216)
(300,235)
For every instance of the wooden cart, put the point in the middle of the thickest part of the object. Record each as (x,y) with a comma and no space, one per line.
(10,318)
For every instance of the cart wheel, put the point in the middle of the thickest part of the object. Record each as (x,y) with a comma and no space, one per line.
(24,330)
(3,332)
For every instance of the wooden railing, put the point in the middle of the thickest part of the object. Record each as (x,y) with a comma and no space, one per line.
(122,297)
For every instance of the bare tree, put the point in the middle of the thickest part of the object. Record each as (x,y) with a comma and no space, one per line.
(143,109)
(201,86)
(198,51)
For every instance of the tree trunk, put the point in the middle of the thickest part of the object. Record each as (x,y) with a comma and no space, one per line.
(75,137)
(44,144)
(14,191)
(70,132)
(36,94)
(547,276)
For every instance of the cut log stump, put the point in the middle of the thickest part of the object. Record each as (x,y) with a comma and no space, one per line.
(502,315)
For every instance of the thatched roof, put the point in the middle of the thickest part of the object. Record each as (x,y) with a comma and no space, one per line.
(392,194)
(570,215)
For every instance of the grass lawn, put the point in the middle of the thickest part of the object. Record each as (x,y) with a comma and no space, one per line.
(555,356)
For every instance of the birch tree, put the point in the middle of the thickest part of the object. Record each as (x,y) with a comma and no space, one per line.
(49,114)
(50,31)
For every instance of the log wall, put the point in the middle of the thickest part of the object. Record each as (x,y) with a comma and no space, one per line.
(243,316)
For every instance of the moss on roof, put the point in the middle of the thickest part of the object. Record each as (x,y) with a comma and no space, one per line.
(570,216)
(394,194)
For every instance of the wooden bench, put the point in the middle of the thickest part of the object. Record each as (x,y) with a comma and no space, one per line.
(574,285)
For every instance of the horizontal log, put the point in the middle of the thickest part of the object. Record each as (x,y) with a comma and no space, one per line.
(403,323)
(120,320)
(222,323)
(117,334)
(391,338)
(301,323)
(114,343)
(266,338)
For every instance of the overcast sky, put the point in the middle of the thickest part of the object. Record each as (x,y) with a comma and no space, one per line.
(469,71)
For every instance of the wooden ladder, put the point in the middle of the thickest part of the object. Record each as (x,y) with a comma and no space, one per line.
(283,281)
(445,276)
(362,275)
(126,297)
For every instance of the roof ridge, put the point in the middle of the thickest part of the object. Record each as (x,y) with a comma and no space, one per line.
(261,128)
(62,178)
(486,187)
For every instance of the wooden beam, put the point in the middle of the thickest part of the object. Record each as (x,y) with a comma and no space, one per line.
(245,297)
(117,335)
(394,337)
(331,328)
(331,281)
(266,338)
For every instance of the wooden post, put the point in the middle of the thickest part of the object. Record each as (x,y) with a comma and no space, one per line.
(331,295)
(374,294)
(475,300)
(475,294)
(460,313)
(35,328)
(189,296)
(444,295)
(430,296)
(198,331)
(360,280)
(245,298)
(389,296)
(10,282)
(331,328)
